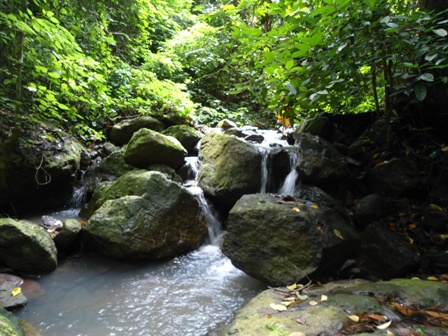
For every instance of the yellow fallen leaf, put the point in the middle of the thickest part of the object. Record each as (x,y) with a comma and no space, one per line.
(433,278)
(389,333)
(412,226)
(313,303)
(324,298)
(444,149)
(287,303)
(292,287)
(415,278)
(384,325)
(436,207)
(278,307)
(354,318)
(314,206)
(296,209)
(338,234)
(411,241)
(16,291)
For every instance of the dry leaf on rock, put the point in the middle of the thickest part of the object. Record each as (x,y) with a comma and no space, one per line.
(384,325)
(354,318)
(278,307)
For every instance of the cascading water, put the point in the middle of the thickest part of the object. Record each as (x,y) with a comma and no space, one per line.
(290,180)
(191,295)
(264,151)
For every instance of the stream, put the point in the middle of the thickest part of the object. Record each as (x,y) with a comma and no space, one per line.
(192,295)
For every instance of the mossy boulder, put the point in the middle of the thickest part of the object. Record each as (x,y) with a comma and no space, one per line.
(144,215)
(230,168)
(9,325)
(280,242)
(26,247)
(187,136)
(148,147)
(121,133)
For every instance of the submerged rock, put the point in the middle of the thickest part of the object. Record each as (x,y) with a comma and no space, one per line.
(143,215)
(281,242)
(26,247)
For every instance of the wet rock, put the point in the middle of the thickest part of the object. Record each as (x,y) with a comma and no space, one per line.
(8,283)
(256,138)
(373,303)
(320,126)
(9,325)
(122,132)
(114,165)
(320,163)
(26,247)
(169,172)
(69,238)
(163,221)
(229,168)
(435,220)
(371,208)
(187,136)
(225,124)
(148,147)
(385,254)
(396,177)
(281,242)
(41,176)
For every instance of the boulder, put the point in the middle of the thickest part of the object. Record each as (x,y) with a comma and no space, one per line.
(26,247)
(320,126)
(148,147)
(40,176)
(169,172)
(373,303)
(385,254)
(69,238)
(225,124)
(187,136)
(154,218)
(281,242)
(114,165)
(396,177)
(372,208)
(8,285)
(229,169)
(9,326)
(319,162)
(122,132)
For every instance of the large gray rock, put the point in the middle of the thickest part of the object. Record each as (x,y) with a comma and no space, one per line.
(148,147)
(143,215)
(385,254)
(320,162)
(320,126)
(186,135)
(114,165)
(372,208)
(26,247)
(122,132)
(40,176)
(281,242)
(396,177)
(229,168)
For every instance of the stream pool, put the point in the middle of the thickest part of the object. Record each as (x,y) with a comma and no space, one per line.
(191,295)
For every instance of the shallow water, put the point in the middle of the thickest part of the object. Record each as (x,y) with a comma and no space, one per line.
(192,295)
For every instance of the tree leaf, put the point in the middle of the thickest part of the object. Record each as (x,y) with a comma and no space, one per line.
(289,64)
(16,291)
(384,325)
(441,32)
(420,92)
(427,77)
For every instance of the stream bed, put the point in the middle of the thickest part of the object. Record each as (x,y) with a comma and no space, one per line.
(191,295)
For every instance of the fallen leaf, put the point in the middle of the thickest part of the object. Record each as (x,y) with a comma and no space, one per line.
(314,206)
(406,311)
(444,149)
(384,325)
(324,298)
(269,316)
(411,241)
(278,307)
(433,278)
(415,278)
(377,317)
(301,320)
(412,226)
(313,303)
(16,291)
(297,333)
(436,207)
(338,234)
(292,287)
(287,303)
(379,164)
(376,155)
(320,228)
(390,333)
(302,297)
(354,318)
(296,209)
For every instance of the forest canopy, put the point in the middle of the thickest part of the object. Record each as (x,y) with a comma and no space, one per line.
(80,64)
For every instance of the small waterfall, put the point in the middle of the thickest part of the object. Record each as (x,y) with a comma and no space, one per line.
(290,180)
(214,226)
(265,164)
